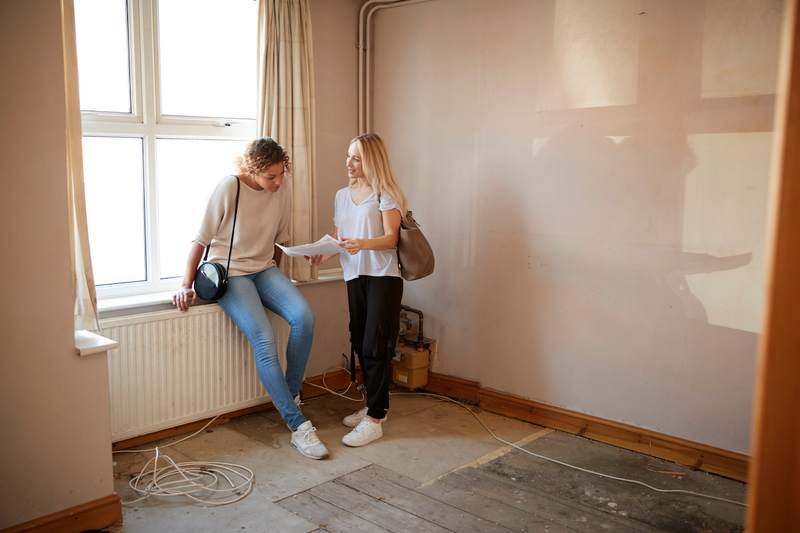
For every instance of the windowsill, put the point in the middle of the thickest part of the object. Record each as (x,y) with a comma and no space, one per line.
(88,343)
(161,301)
(113,306)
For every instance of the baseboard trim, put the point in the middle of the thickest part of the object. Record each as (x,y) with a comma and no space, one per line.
(453,387)
(692,454)
(337,380)
(96,514)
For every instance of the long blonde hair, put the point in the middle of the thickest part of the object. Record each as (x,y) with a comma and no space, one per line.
(377,170)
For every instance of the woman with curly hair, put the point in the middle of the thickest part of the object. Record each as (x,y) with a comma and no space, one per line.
(255,282)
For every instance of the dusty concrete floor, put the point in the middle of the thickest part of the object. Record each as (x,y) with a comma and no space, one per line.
(441,460)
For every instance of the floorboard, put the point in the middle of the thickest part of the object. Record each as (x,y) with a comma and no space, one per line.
(672,512)
(329,517)
(380,484)
(372,509)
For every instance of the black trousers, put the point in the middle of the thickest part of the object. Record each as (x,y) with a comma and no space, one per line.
(374,321)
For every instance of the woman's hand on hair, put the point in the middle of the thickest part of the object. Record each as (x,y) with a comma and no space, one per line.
(352,246)
(183,298)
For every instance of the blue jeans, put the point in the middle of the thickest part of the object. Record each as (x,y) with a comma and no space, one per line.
(244,303)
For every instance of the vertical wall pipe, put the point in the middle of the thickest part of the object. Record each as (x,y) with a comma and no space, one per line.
(364,56)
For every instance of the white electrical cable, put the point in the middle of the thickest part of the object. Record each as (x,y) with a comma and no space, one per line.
(342,394)
(556,461)
(171,443)
(229,482)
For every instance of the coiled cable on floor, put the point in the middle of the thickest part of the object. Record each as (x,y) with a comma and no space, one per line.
(225,482)
(550,459)
(206,482)
(232,482)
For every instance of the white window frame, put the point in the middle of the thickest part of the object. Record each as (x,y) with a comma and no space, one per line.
(146,122)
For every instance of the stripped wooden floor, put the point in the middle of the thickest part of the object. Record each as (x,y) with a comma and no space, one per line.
(435,469)
(516,492)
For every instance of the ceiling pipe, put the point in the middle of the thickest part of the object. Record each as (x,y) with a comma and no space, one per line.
(364,56)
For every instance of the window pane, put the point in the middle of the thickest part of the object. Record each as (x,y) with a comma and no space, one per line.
(101,28)
(112,171)
(208,57)
(187,172)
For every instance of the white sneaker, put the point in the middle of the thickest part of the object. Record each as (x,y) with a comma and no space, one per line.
(297,401)
(365,432)
(352,420)
(307,443)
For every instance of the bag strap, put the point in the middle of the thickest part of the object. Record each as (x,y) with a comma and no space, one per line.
(403,216)
(233,230)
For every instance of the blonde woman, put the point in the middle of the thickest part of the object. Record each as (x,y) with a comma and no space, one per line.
(367,218)
(255,282)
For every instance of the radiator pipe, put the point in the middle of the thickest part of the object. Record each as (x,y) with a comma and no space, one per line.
(364,56)
(417,312)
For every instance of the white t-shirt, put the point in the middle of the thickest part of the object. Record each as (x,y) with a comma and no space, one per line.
(364,221)
(262,220)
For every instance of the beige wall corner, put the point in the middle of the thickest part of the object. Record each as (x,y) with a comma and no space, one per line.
(53,404)
(328,301)
(334,26)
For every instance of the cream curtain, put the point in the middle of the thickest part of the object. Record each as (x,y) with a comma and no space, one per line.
(286,106)
(85,308)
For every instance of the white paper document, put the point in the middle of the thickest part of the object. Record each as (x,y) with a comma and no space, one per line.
(327,245)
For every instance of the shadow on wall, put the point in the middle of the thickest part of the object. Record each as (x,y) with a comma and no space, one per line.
(611,277)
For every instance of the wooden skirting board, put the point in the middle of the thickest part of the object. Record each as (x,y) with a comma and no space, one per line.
(93,515)
(337,381)
(692,454)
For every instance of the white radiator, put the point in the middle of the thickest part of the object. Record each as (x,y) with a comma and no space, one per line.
(172,368)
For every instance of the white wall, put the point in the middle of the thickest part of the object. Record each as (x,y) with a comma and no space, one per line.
(54,406)
(328,301)
(334,31)
(593,177)
(334,24)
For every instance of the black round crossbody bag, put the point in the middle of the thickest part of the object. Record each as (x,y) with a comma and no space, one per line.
(211,279)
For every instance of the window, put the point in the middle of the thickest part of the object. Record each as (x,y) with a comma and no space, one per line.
(168,100)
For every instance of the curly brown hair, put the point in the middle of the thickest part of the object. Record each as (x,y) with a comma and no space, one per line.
(261,154)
